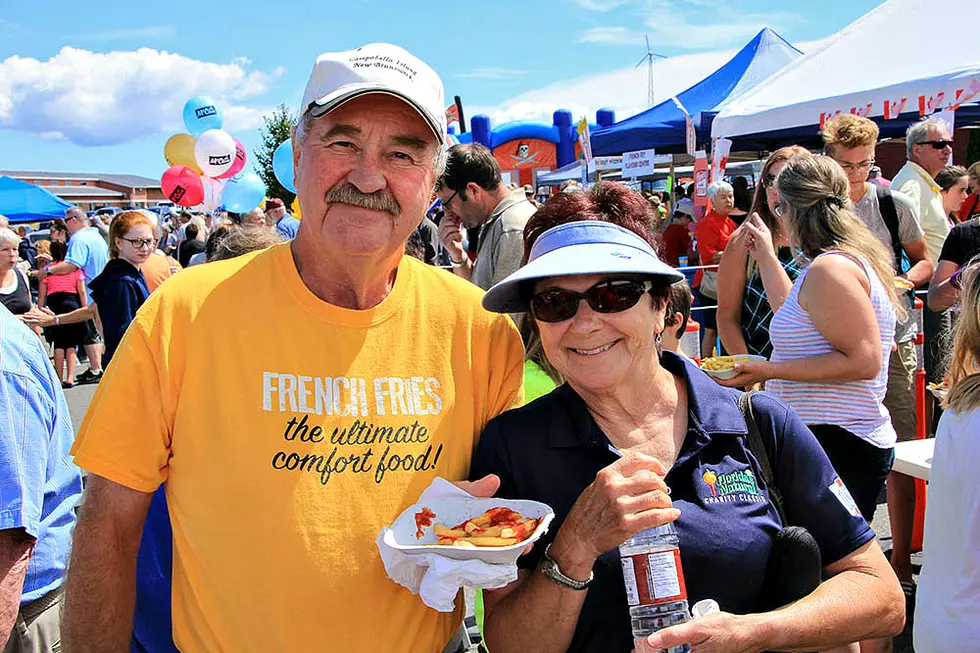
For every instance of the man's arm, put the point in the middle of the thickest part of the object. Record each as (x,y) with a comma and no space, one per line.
(942,294)
(62,267)
(15,552)
(100,594)
(922,268)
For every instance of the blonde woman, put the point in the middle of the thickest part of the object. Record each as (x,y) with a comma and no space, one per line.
(947,612)
(832,336)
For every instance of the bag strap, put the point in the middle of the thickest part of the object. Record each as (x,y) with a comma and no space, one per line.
(758,448)
(890,216)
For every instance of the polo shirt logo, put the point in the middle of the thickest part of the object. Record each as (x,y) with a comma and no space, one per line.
(738,485)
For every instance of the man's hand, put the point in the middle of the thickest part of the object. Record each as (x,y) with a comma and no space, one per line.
(719,632)
(484,488)
(451,237)
(38,317)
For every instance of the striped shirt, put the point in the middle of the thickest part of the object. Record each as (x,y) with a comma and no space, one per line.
(855,405)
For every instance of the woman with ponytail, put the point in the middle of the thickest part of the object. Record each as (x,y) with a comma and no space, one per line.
(833,335)
(947,612)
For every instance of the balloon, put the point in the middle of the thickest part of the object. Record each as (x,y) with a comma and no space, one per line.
(201,114)
(243,192)
(241,156)
(179,151)
(182,186)
(295,207)
(212,194)
(214,152)
(282,165)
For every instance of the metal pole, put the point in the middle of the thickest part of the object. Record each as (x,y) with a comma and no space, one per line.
(462,118)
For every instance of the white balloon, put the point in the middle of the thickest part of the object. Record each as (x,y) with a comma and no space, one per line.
(214,152)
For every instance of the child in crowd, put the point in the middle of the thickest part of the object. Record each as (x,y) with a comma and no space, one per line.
(63,293)
(676,316)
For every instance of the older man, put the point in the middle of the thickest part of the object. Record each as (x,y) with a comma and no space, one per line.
(278,485)
(39,487)
(87,251)
(474,195)
(276,216)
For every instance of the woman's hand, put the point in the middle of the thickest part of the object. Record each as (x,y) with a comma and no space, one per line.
(759,237)
(626,497)
(39,317)
(720,632)
(749,373)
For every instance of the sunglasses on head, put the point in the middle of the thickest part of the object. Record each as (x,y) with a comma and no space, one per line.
(613,296)
(939,145)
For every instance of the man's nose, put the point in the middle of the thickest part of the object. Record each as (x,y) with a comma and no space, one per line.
(367,175)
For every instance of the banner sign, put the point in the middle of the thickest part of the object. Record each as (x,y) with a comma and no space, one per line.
(701,178)
(719,157)
(639,163)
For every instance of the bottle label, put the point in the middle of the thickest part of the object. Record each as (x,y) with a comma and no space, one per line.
(654,578)
(629,575)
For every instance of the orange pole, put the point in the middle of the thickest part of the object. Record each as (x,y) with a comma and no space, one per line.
(921,432)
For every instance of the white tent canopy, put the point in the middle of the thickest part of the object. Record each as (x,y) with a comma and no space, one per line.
(895,54)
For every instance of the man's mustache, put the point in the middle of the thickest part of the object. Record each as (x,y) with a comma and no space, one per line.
(381,200)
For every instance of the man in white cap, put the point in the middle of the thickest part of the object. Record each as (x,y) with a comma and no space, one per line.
(386,373)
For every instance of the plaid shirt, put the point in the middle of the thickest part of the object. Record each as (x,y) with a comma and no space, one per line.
(756,311)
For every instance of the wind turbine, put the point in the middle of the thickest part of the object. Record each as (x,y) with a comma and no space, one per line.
(648,58)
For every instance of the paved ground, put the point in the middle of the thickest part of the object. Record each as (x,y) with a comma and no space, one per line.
(79,398)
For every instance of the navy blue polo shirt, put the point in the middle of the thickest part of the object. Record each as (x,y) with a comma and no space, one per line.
(551,449)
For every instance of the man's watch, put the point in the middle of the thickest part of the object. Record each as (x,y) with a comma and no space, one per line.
(549,567)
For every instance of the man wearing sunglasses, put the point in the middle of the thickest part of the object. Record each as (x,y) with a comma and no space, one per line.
(928,146)
(473,194)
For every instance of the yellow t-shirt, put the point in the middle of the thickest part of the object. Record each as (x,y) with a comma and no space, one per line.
(284,456)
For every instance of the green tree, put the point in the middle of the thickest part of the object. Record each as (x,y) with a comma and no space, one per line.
(277,127)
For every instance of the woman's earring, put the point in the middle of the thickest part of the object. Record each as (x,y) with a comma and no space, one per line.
(659,340)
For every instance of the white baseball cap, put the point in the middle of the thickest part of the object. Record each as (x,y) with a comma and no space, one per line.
(376,68)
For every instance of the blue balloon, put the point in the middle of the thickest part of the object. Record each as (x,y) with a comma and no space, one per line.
(282,165)
(201,114)
(243,192)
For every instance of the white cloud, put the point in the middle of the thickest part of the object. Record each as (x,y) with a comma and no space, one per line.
(612,36)
(624,90)
(688,25)
(109,98)
(490,73)
(134,33)
(600,5)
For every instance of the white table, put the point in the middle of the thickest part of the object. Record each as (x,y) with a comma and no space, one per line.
(914,458)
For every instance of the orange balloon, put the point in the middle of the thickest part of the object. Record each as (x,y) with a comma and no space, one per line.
(179,151)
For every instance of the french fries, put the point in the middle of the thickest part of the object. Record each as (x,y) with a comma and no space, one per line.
(495,527)
(719,363)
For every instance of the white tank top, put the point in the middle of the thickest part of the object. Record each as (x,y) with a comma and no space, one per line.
(857,406)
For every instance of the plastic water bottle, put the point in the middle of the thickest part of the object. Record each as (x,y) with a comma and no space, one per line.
(655,588)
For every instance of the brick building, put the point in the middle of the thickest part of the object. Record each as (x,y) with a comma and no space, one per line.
(94,190)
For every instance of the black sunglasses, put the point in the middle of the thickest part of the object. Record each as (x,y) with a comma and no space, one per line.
(768,180)
(614,296)
(939,145)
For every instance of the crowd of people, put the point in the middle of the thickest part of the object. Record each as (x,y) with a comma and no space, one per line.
(428,319)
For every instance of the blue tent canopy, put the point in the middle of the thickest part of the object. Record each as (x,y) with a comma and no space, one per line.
(663,127)
(24,202)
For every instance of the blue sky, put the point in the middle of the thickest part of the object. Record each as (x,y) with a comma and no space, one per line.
(99,87)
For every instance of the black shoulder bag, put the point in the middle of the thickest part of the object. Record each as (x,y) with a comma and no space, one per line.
(795,568)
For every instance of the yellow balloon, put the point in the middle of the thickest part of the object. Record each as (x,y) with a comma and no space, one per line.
(295,208)
(179,151)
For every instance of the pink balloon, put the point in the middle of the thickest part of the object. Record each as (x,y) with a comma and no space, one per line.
(239,163)
(182,186)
